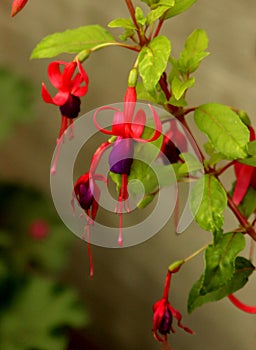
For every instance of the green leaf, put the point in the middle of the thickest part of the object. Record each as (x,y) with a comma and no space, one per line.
(179,103)
(16,96)
(123,23)
(191,163)
(158,12)
(152,61)
(139,15)
(243,269)
(220,261)
(40,309)
(193,52)
(179,87)
(248,161)
(208,201)
(252,148)
(248,205)
(226,131)
(150,2)
(72,41)
(179,7)
(157,96)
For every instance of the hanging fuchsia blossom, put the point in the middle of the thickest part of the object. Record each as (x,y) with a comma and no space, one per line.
(67,98)
(17,6)
(245,176)
(128,129)
(163,314)
(174,143)
(87,194)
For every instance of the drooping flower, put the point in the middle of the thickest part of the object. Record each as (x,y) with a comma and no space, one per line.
(87,193)
(70,88)
(128,129)
(164,313)
(174,143)
(17,6)
(245,176)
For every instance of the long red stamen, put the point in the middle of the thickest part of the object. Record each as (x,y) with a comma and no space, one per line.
(242,306)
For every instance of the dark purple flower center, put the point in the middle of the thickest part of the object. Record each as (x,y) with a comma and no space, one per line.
(71,108)
(166,322)
(171,152)
(85,196)
(121,156)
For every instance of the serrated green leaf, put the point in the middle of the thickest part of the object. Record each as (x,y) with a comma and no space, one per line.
(39,309)
(220,261)
(208,201)
(179,7)
(226,131)
(16,96)
(179,87)
(152,61)
(72,41)
(193,52)
(122,23)
(243,269)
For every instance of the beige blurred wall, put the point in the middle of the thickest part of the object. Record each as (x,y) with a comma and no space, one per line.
(128,281)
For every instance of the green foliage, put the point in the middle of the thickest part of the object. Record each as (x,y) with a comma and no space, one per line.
(153,60)
(179,7)
(226,131)
(34,309)
(242,270)
(16,97)
(159,10)
(38,315)
(193,52)
(179,87)
(208,201)
(72,41)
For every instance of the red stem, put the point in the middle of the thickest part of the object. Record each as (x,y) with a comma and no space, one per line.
(167,285)
(132,13)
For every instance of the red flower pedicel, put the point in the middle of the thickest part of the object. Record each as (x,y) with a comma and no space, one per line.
(70,89)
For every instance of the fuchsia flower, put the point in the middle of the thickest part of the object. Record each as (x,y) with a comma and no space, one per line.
(87,194)
(17,6)
(67,98)
(174,142)
(163,314)
(245,176)
(127,129)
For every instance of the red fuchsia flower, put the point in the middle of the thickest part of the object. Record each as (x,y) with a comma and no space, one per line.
(127,129)
(17,6)
(70,89)
(87,193)
(245,177)
(163,314)
(174,143)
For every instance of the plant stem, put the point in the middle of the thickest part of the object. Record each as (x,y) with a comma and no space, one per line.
(132,13)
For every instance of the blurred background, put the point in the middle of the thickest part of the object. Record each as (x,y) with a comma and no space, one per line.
(46,262)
